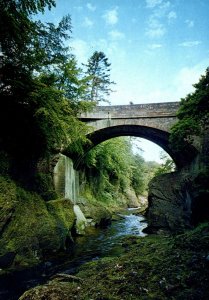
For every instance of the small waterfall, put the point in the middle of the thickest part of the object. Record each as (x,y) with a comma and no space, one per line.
(70,180)
(66,179)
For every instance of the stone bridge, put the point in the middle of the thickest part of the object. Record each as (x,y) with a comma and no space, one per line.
(150,121)
(156,115)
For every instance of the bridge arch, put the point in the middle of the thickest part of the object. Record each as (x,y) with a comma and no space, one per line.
(151,121)
(155,135)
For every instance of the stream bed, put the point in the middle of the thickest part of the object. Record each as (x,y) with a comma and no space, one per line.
(104,242)
(96,244)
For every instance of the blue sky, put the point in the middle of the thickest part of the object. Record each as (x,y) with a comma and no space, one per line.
(157,48)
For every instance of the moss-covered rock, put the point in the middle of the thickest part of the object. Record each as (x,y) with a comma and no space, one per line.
(63,213)
(30,227)
(7,201)
(81,221)
(43,185)
(95,212)
(135,201)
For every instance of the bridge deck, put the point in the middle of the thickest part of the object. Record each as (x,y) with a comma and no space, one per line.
(133,111)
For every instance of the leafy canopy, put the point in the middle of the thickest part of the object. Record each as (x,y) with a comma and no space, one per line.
(42,89)
(116,167)
(193,114)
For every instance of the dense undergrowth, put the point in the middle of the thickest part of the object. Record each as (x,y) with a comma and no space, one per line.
(114,175)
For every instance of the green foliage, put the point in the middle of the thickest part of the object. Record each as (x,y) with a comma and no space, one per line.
(112,169)
(112,161)
(31,6)
(42,89)
(54,112)
(7,190)
(138,181)
(193,115)
(149,172)
(167,165)
(27,45)
(98,72)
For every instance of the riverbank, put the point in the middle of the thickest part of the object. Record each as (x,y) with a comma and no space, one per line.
(96,243)
(154,267)
(32,229)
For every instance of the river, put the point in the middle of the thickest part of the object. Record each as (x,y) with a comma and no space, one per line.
(98,243)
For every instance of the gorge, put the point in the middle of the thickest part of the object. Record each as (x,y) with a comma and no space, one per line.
(68,172)
(44,228)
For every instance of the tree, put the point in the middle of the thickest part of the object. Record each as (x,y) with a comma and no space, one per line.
(167,165)
(42,88)
(70,79)
(138,181)
(18,33)
(193,115)
(36,115)
(30,6)
(98,72)
(114,168)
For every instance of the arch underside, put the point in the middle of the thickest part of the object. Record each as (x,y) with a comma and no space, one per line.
(157,136)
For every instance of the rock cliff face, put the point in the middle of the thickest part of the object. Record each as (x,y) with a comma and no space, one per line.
(169,201)
(180,199)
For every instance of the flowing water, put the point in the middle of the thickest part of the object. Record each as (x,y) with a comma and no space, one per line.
(104,242)
(98,243)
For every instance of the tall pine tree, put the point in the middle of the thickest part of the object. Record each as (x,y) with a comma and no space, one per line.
(98,72)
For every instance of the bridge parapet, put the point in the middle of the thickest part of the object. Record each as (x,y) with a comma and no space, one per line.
(132,111)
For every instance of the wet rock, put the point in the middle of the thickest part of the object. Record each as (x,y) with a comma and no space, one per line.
(104,222)
(81,221)
(96,212)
